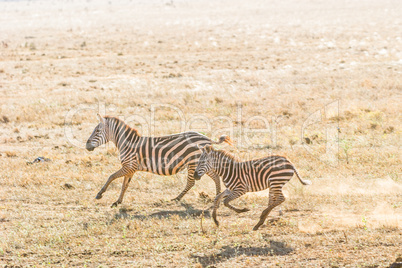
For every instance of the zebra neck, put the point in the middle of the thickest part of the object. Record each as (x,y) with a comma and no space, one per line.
(224,166)
(123,136)
(111,134)
(117,129)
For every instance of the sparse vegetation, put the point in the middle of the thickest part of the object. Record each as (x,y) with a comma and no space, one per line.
(220,72)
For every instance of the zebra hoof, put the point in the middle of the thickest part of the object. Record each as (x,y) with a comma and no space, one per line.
(256,228)
(175,199)
(244,210)
(115,204)
(98,196)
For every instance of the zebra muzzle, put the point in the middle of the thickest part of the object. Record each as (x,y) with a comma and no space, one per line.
(196,176)
(89,147)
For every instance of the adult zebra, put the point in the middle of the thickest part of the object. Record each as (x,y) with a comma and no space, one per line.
(250,176)
(160,155)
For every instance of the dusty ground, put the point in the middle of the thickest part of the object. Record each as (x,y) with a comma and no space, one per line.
(321,80)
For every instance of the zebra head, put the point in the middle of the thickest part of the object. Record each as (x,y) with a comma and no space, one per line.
(204,163)
(99,135)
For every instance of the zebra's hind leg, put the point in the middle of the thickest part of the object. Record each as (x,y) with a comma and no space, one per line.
(117,174)
(189,185)
(276,198)
(216,204)
(232,196)
(124,187)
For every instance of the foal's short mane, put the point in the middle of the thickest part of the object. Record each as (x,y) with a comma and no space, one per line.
(237,159)
(228,155)
(117,120)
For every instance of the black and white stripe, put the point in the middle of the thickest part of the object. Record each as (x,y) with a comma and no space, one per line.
(160,155)
(250,176)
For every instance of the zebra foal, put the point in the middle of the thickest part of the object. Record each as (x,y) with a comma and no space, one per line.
(250,176)
(165,155)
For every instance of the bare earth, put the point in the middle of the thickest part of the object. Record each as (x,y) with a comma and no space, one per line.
(317,81)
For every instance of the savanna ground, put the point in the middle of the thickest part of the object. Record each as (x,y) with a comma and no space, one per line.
(321,80)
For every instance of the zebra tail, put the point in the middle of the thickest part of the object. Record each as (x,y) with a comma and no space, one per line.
(304,182)
(224,138)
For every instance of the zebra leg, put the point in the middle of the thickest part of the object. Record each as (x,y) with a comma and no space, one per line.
(124,187)
(190,184)
(216,204)
(117,174)
(275,198)
(217,181)
(232,196)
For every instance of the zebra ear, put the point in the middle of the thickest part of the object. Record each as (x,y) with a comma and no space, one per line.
(201,147)
(208,148)
(101,119)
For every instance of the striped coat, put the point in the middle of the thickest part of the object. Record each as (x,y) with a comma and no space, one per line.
(249,176)
(165,155)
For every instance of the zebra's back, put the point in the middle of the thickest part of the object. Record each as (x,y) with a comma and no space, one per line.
(168,155)
(262,173)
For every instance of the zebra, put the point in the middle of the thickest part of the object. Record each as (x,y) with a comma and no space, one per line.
(165,155)
(250,176)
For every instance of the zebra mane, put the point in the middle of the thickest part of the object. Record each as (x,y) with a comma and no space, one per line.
(234,158)
(227,154)
(117,120)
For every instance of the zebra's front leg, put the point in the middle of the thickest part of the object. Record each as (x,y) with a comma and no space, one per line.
(124,187)
(232,196)
(217,181)
(217,200)
(112,177)
(190,184)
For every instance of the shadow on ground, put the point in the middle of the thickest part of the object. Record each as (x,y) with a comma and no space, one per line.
(189,211)
(227,252)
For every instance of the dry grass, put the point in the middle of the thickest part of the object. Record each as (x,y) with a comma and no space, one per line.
(289,63)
